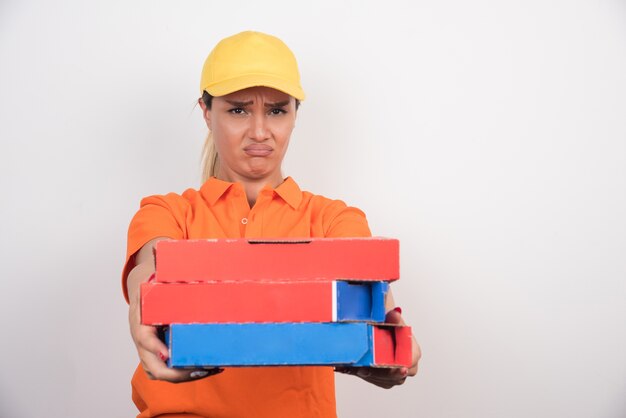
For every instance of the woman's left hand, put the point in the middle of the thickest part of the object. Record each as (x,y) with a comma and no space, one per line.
(387,377)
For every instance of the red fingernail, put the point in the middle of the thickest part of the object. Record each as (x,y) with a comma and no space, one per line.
(162,356)
(398,309)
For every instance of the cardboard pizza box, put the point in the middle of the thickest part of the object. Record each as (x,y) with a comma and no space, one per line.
(289,344)
(262,301)
(354,259)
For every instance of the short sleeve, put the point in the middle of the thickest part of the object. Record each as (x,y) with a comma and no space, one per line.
(342,221)
(158,216)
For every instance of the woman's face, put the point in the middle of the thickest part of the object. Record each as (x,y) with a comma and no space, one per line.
(251,129)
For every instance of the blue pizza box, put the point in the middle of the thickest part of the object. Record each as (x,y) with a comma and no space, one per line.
(288,344)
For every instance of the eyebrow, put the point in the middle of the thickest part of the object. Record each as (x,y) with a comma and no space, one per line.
(239,104)
(248,103)
(277,104)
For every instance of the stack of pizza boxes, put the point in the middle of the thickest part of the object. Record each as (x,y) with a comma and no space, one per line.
(239,302)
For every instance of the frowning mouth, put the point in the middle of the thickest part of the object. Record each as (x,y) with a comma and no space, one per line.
(258,150)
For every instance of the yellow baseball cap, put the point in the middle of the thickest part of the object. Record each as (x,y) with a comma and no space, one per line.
(250,59)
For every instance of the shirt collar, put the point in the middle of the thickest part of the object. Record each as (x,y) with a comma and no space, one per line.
(288,190)
(214,188)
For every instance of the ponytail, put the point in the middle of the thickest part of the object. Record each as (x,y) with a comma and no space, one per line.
(209,153)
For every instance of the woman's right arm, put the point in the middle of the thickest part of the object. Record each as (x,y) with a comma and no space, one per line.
(152,351)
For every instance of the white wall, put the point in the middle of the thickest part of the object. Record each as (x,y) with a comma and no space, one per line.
(488,136)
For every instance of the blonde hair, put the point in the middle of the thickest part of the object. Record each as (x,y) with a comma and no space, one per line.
(209,158)
(209,153)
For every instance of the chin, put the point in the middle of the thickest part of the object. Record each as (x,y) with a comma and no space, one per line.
(260,172)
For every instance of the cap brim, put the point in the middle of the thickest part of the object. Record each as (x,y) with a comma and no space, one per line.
(254,80)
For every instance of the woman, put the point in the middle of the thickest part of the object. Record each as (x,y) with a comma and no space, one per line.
(250,95)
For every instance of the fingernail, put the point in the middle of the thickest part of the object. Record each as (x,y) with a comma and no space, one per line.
(398,309)
(405,371)
(198,373)
(162,356)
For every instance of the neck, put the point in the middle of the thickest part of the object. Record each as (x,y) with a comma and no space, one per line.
(252,186)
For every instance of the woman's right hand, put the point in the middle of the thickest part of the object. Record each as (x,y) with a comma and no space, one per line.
(153,353)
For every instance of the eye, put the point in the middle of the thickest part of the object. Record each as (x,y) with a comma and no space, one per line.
(277,111)
(237,111)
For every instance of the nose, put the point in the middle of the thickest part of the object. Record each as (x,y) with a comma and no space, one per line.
(259,129)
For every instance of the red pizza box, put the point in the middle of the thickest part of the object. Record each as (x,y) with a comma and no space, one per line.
(262,301)
(355,259)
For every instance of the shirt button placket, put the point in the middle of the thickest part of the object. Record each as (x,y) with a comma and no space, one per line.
(242,209)
(249,220)
(255,227)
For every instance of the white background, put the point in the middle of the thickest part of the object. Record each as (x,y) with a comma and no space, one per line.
(488,136)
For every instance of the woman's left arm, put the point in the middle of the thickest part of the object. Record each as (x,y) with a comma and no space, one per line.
(388,377)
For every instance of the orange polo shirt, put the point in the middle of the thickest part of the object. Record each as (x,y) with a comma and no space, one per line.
(221,210)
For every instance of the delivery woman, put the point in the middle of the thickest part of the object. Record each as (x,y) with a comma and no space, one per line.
(251,91)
